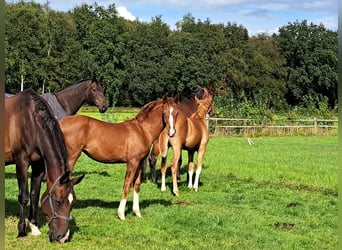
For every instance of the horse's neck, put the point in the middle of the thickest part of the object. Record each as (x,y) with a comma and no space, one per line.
(188,107)
(55,163)
(201,112)
(72,98)
(153,125)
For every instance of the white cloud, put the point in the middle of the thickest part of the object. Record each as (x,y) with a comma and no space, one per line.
(124,12)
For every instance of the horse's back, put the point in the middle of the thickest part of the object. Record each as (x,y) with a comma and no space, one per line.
(18,124)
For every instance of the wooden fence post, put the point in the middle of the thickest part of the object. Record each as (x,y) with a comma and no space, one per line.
(315,126)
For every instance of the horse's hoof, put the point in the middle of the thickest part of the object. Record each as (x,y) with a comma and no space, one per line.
(137,213)
(121,216)
(34,230)
(22,234)
(176,193)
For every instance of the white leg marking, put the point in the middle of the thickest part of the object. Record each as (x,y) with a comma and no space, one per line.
(65,237)
(136,209)
(190,178)
(34,229)
(198,172)
(121,209)
(163,185)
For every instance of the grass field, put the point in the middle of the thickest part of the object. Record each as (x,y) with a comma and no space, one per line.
(280,193)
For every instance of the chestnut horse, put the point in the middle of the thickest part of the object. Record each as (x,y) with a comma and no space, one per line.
(69,100)
(33,136)
(125,142)
(189,133)
(188,107)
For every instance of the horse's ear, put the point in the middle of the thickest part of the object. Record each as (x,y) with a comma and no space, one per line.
(65,177)
(94,78)
(77,180)
(101,79)
(197,100)
(165,99)
(176,99)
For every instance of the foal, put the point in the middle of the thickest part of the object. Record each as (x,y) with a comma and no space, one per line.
(125,142)
(189,133)
(188,108)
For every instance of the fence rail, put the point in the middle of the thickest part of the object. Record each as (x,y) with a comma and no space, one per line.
(237,126)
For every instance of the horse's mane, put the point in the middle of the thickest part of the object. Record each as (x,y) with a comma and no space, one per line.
(50,124)
(145,110)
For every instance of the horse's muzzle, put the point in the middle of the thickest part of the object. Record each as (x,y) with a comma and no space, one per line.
(171,132)
(59,238)
(103,108)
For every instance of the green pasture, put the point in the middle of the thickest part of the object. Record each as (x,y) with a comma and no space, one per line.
(280,193)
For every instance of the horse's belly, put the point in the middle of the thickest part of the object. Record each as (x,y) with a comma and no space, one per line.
(8,158)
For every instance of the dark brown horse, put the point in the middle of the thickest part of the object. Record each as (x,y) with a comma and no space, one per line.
(126,142)
(33,136)
(187,107)
(69,100)
(189,133)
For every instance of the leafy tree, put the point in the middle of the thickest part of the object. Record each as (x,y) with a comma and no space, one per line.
(311,58)
(101,34)
(147,52)
(24,24)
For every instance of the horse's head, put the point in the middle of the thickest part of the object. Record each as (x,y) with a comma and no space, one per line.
(205,106)
(204,95)
(170,113)
(96,97)
(57,203)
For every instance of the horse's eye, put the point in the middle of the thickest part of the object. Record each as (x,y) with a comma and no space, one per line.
(94,90)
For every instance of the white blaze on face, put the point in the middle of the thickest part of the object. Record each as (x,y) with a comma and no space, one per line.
(171,123)
(70,198)
(65,237)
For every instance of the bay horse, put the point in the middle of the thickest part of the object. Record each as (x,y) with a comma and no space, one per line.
(189,133)
(32,136)
(70,99)
(125,142)
(187,107)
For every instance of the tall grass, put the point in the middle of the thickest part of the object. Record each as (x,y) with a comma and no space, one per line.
(280,193)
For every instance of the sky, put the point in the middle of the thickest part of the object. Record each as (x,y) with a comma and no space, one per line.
(262,16)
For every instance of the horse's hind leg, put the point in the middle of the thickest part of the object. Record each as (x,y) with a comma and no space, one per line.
(191,168)
(152,160)
(38,172)
(200,156)
(23,197)
(163,168)
(179,167)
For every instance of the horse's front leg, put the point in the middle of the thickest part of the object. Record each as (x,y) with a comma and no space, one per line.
(132,167)
(163,148)
(177,150)
(38,173)
(136,184)
(23,197)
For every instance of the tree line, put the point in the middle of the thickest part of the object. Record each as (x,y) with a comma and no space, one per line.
(139,61)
